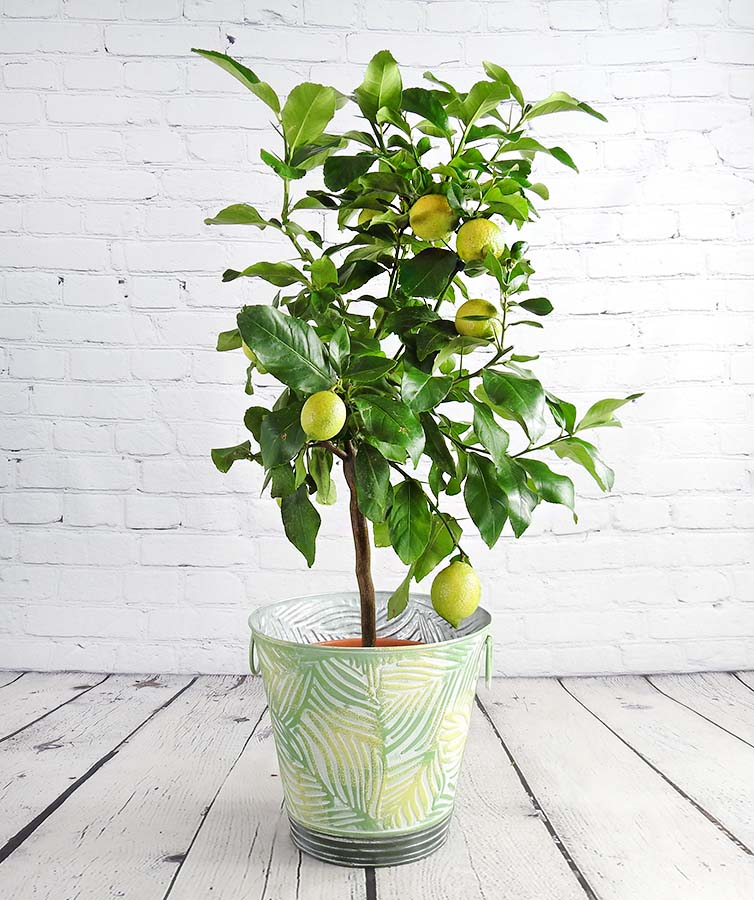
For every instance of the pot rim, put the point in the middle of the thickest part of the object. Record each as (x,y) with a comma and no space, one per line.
(486,620)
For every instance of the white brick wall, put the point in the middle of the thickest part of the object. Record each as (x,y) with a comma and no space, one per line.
(121,547)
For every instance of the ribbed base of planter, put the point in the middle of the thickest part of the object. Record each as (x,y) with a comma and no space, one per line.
(388,850)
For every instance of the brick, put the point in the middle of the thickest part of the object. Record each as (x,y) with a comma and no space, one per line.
(741,13)
(660,47)
(145,292)
(35,363)
(735,143)
(730,47)
(158,40)
(14,398)
(455,16)
(99,365)
(648,83)
(391,15)
(82,437)
(156,513)
(144,440)
(102,109)
(265,12)
(92,9)
(706,222)
(89,621)
(92,510)
(92,183)
(32,509)
(41,9)
(28,252)
(212,10)
(160,365)
(157,10)
(192,550)
(97,401)
(551,50)
(35,74)
(143,587)
(49,37)
(35,143)
(512,16)
(697,12)
(567,15)
(154,146)
(153,76)
(45,217)
(698,81)
(92,290)
(343,14)
(85,74)
(17,107)
(216,147)
(24,434)
(636,13)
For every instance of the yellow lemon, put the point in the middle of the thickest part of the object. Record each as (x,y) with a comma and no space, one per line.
(431,218)
(478,237)
(323,415)
(456,592)
(366,216)
(469,325)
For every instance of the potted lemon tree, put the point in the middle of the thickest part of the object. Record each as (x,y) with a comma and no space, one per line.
(393,367)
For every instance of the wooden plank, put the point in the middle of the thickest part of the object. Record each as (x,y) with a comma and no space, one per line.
(8,677)
(498,845)
(747,678)
(715,769)
(719,696)
(243,848)
(123,832)
(630,833)
(37,694)
(41,762)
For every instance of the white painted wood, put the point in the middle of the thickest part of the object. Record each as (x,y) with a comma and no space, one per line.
(39,763)
(719,696)
(711,766)
(498,846)
(37,693)
(632,835)
(8,677)
(243,848)
(122,833)
(747,678)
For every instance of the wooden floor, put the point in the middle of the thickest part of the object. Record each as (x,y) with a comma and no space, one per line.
(148,788)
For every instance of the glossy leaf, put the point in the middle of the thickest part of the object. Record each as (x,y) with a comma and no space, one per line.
(253,419)
(373,488)
(559,101)
(281,274)
(281,436)
(436,446)
(600,413)
(519,499)
(498,73)
(391,427)
(551,487)
(340,171)
(224,457)
(428,273)
(492,437)
(339,347)
(301,522)
(320,467)
(381,86)
(586,455)
(409,521)
(238,214)
(485,499)
(422,391)
(243,74)
(307,112)
(443,538)
(398,600)
(538,306)
(229,340)
(524,398)
(426,104)
(288,348)
(365,369)
(483,97)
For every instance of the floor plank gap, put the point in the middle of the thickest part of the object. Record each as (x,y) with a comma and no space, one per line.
(697,806)
(562,849)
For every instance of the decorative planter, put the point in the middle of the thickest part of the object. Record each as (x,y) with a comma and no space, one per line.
(369,740)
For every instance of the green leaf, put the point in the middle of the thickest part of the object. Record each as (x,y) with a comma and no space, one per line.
(398,600)
(283,480)
(563,412)
(224,457)
(510,206)
(320,467)
(353,275)
(428,273)
(561,102)
(281,274)
(458,345)
(391,427)
(281,436)
(586,455)
(253,418)
(409,521)
(483,97)
(601,413)
(238,214)
(365,369)
(441,544)
(563,157)
(323,272)
(492,437)
(538,306)
(373,488)
(381,534)
(425,103)
(484,498)
(307,112)
(422,391)
(436,448)
(289,348)
(339,346)
(247,78)
(340,171)
(381,86)
(519,498)
(409,317)
(229,340)
(301,522)
(551,487)
(279,167)
(524,398)
(498,73)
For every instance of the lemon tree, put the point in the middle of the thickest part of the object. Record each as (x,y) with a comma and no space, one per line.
(379,338)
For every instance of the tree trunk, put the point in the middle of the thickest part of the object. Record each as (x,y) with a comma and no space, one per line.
(363,549)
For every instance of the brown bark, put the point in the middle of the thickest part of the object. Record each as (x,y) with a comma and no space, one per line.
(363,550)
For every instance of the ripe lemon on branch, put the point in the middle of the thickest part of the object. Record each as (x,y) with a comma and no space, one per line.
(456,592)
(478,237)
(478,319)
(323,415)
(431,218)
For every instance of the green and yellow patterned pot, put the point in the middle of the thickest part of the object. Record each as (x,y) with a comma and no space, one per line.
(369,740)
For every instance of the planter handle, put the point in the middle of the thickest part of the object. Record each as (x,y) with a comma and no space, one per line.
(253,661)
(488,661)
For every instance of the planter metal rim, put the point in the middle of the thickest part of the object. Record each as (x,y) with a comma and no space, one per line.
(485,622)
